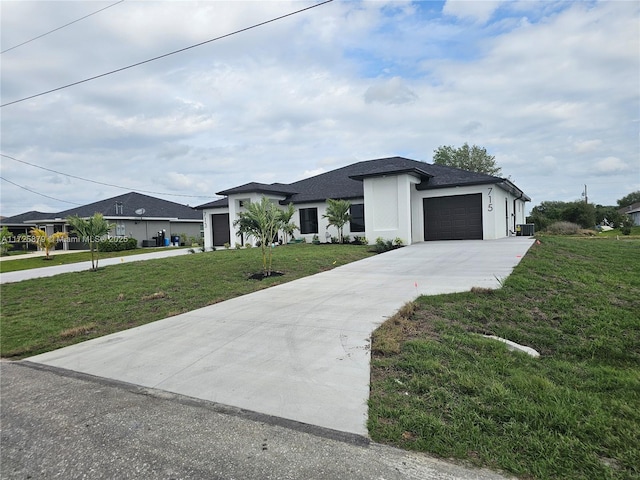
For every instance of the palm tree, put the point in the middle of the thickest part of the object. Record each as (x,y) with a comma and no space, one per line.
(338,214)
(42,240)
(91,230)
(261,220)
(288,227)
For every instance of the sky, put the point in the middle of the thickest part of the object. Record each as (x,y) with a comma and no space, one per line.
(550,88)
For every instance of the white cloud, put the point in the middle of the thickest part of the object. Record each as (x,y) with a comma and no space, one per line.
(586,146)
(477,10)
(391,92)
(611,165)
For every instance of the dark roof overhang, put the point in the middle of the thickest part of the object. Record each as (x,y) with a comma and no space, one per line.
(421,174)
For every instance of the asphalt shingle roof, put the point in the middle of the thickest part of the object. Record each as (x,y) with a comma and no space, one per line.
(132,201)
(27,217)
(346,182)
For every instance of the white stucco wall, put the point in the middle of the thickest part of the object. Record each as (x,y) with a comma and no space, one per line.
(495,213)
(207,226)
(388,207)
(393,209)
(323,223)
(234,208)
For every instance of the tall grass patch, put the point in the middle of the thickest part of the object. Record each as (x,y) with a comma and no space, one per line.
(571,413)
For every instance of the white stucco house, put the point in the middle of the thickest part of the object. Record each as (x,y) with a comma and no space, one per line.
(390,198)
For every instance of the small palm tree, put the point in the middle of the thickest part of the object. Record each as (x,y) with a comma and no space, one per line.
(91,230)
(288,227)
(338,214)
(262,220)
(40,238)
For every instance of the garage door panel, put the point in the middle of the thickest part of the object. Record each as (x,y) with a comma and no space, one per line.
(457,217)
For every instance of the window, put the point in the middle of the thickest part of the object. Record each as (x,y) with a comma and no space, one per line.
(119,208)
(121,231)
(357,217)
(308,220)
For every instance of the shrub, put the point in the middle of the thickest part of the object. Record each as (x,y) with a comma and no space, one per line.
(238,246)
(227,245)
(383,245)
(563,228)
(117,245)
(316,240)
(360,240)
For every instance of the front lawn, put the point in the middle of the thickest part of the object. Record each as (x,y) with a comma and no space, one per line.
(16,264)
(47,313)
(438,386)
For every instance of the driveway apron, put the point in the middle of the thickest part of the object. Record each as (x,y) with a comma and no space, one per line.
(300,350)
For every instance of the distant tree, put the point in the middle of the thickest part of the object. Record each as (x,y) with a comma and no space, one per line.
(579,212)
(338,215)
(633,197)
(546,213)
(91,230)
(584,214)
(261,220)
(5,244)
(40,238)
(472,159)
(608,213)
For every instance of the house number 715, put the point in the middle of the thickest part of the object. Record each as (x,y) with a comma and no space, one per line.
(490,205)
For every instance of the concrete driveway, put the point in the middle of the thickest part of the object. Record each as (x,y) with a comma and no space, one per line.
(299,351)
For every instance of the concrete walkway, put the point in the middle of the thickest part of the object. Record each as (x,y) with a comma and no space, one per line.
(300,350)
(11,277)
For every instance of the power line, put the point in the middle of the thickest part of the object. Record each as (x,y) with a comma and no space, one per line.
(168,54)
(59,28)
(38,193)
(102,183)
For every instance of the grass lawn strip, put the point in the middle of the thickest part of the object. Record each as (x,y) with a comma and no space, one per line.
(43,314)
(438,386)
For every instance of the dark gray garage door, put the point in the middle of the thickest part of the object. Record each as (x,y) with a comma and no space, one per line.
(458,217)
(220,227)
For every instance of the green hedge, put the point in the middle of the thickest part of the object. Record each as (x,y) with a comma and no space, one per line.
(117,245)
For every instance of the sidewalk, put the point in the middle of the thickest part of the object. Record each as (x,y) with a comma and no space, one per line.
(40,253)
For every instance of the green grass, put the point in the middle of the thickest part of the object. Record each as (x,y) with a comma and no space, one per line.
(635,232)
(47,313)
(17,264)
(574,413)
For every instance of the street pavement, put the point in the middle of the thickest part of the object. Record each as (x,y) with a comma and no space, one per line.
(298,351)
(71,426)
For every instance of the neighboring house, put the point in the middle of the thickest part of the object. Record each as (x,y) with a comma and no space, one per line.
(134,215)
(633,211)
(390,198)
